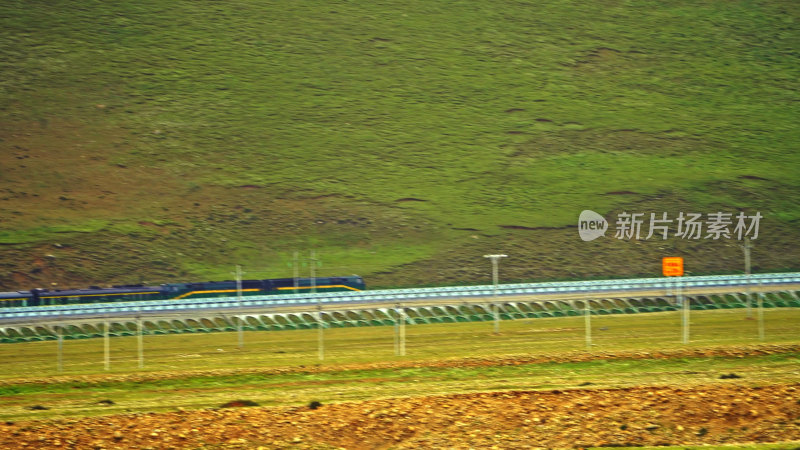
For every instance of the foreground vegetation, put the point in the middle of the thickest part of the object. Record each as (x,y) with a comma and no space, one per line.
(282,368)
(787,446)
(298,387)
(534,382)
(721,413)
(146,143)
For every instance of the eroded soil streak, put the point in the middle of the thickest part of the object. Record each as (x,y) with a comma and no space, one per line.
(720,413)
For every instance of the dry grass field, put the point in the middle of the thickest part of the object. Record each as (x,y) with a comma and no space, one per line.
(534,384)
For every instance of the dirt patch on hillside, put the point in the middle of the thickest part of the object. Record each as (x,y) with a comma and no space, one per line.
(714,414)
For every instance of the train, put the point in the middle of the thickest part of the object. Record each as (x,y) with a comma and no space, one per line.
(178,291)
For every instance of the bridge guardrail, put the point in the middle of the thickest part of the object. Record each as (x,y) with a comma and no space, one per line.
(405,295)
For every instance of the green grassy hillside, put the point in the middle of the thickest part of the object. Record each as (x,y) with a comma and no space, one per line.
(153,141)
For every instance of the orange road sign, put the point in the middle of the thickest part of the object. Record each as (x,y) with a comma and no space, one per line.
(672,266)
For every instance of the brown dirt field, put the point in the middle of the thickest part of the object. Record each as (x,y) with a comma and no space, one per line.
(655,415)
(724,412)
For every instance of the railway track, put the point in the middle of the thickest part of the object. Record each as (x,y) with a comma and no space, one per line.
(383,308)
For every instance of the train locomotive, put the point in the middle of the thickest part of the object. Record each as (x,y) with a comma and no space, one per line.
(178,291)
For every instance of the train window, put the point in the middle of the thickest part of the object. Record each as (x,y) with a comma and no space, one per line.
(252,284)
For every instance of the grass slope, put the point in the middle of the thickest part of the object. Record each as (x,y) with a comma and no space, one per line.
(146,142)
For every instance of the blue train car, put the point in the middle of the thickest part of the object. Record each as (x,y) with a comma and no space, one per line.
(177,291)
(14,299)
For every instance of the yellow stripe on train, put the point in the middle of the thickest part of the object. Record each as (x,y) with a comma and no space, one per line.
(291,288)
(223,291)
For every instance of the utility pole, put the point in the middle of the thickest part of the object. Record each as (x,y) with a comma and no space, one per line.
(320,324)
(746,248)
(686,303)
(296,274)
(495,261)
(587,313)
(239,331)
(60,358)
(139,341)
(397,330)
(401,330)
(313,263)
(106,345)
(760,313)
